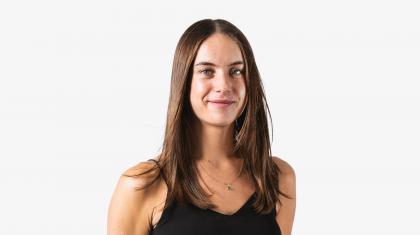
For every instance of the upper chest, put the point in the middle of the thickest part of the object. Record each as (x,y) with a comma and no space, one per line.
(187,219)
(226,202)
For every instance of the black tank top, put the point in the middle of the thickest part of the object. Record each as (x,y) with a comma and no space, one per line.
(188,219)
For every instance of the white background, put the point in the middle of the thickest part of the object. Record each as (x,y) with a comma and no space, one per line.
(84,87)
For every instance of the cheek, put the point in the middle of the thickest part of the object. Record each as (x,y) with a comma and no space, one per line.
(242,93)
(198,90)
(198,87)
(242,89)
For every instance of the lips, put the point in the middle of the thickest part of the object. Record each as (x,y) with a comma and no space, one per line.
(222,101)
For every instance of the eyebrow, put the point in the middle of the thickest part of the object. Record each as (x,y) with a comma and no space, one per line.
(211,64)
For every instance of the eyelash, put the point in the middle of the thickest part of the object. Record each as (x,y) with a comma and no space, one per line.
(201,71)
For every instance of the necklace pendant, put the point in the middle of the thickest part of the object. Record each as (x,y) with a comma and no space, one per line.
(229,187)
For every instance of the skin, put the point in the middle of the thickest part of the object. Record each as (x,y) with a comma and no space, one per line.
(129,209)
(212,82)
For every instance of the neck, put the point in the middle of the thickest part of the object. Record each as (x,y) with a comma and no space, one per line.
(215,143)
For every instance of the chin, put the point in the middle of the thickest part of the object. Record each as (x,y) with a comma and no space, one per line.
(219,123)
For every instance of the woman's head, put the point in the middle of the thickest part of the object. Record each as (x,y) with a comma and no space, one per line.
(234,77)
(214,61)
(218,89)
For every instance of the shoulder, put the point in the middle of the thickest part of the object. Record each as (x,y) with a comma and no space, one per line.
(287,176)
(285,168)
(129,209)
(285,212)
(142,172)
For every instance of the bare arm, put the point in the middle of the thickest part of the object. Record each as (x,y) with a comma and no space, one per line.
(286,212)
(128,212)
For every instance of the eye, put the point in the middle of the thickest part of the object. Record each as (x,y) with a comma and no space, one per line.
(206,72)
(236,71)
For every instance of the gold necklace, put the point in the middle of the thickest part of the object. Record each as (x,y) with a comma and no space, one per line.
(227,185)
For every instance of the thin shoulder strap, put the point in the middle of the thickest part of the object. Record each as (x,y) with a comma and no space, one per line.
(160,170)
(167,207)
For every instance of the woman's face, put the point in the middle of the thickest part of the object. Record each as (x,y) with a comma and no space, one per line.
(218,87)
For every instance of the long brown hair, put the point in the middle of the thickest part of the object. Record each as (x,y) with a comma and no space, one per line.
(251,140)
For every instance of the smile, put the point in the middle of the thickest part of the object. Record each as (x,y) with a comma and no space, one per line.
(222,104)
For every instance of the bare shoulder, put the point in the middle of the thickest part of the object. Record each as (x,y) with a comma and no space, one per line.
(129,209)
(285,213)
(287,176)
(142,172)
(285,168)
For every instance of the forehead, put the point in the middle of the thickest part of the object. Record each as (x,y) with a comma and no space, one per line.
(219,49)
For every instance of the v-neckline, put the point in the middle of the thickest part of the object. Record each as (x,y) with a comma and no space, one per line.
(237,211)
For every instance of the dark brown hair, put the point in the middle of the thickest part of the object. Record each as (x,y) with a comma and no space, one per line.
(252,142)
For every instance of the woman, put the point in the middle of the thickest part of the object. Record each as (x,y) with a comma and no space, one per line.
(215,174)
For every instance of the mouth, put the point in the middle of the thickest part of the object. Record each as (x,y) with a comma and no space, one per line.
(221,103)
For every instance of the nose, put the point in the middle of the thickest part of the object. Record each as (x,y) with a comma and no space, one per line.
(223,82)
